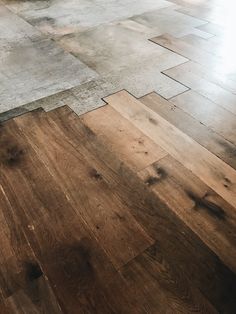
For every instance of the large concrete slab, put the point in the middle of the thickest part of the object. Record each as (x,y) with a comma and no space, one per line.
(60,17)
(99,47)
(121,53)
(32,67)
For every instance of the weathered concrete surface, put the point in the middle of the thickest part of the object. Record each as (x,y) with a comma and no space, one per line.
(77,52)
(60,17)
(32,67)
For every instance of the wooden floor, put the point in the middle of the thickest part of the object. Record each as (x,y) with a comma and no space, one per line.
(121,210)
(129,208)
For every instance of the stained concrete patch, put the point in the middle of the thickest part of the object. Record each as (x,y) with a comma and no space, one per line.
(60,17)
(89,96)
(122,55)
(33,67)
(98,48)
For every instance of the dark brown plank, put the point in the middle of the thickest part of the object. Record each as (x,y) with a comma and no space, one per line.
(83,278)
(18,265)
(197,262)
(38,298)
(160,281)
(212,141)
(109,220)
(205,212)
(59,238)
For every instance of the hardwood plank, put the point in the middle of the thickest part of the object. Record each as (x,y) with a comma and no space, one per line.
(204,211)
(209,168)
(212,76)
(36,299)
(51,252)
(204,87)
(175,191)
(199,264)
(27,181)
(133,146)
(188,51)
(212,141)
(209,113)
(59,238)
(83,278)
(159,281)
(109,220)
(18,265)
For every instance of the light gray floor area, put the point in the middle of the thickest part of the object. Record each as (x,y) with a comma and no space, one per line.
(57,52)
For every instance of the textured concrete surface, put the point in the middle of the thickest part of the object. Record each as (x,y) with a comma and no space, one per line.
(60,17)
(31,66)
(54,52)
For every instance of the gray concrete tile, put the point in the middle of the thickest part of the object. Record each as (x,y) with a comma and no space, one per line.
(118,46)
(32,67)
(60,17)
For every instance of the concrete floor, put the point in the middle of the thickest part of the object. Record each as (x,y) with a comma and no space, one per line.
(55,52)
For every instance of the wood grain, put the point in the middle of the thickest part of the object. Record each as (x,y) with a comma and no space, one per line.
(136,149)
(152,213)
(67,251)
(209,168)
(203,72)
(160,281)
(205,212)
(37,298)
(210,114)
(93,199)
(215,93)
(18,265)
(191,126)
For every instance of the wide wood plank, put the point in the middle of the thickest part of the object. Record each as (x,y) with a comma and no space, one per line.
(59,238)
(209,113)
(109,220)
(83,278)
(209,75)
(204,87)
(157,279)
(38,298)
(197,262)
(205,212)
(131,145)
(194,128)
(18,265)
(187,50)
(209,168)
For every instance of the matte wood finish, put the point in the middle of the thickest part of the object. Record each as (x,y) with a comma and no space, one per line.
(218,175)
(129,208)
(209,113)
(183,117)
(204,87)
(111,222)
